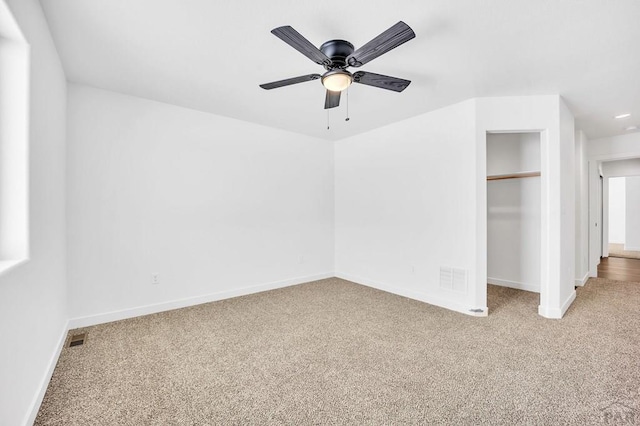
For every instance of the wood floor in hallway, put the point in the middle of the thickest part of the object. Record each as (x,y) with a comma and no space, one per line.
(619,268)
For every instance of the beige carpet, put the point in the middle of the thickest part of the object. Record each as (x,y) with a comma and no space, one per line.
(617,250)
(334,352)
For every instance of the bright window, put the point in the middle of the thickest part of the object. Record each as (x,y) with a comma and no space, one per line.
(14,129)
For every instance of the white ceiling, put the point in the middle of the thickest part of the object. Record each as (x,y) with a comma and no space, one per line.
(212,55)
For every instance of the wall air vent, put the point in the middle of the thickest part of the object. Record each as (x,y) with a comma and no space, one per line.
(453,279)
(446,278)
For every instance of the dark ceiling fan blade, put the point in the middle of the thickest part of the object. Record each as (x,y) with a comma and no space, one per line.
(301,44)
(381,81)
(395,36)
(290,81)
(332,99)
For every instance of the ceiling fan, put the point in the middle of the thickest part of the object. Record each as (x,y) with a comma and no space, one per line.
(338,55)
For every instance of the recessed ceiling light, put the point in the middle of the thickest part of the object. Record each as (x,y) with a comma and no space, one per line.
(630,128)
(618,117)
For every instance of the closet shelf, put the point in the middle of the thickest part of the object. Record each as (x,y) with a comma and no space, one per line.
(513,175)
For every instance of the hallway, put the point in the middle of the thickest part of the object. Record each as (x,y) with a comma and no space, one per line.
(618,268)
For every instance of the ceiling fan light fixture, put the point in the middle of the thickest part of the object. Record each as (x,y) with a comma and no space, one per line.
(337,80)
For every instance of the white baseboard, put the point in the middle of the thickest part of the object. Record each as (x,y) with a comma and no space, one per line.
(582,281)
(411,294)
(102,318)
(44,383)
(557,313)
(514,284)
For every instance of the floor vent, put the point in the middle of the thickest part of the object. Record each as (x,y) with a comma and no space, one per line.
(77,340)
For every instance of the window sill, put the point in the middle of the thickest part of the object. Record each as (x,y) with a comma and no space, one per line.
(7,265)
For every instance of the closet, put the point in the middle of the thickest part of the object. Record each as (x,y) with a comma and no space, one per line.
(513,210)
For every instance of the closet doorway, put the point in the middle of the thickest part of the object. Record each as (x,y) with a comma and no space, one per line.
(513,218)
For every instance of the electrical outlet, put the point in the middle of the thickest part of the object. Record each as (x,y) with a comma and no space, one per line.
(155,279)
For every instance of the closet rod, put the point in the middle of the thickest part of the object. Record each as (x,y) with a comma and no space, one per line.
(513,175)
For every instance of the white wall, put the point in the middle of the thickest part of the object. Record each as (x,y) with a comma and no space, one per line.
(566,207)
(632,227)
(617,210)
(582,209)
(615,147)
(629,167)
(33,312)
(411,198)
(404,197)
(217,207)
(513,152)
(513,211)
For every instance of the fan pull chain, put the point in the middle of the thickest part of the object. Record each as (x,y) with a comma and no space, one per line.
(347,119)
(328,123)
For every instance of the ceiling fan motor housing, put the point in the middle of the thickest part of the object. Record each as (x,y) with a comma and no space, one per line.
(338,51)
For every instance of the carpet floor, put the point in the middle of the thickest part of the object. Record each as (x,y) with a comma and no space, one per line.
(334,352)
(617,250)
